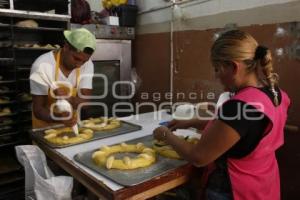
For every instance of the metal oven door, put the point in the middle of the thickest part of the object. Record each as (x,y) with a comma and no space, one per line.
(112,50)
(112,59)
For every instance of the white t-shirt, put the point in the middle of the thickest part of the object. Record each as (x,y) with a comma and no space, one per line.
(86,74)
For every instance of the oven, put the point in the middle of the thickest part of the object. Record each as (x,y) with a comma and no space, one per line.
(116,54)
(112,77)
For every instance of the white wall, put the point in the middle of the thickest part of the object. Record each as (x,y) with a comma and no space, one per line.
(204,14)
(147,4)
(198,8)
(95,5)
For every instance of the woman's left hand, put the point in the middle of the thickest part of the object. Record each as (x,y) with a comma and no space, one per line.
(161,133)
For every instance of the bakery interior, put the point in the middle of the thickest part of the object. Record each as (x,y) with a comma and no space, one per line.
(151,65)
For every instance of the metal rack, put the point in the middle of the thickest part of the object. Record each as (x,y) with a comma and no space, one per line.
(15,65)
(38,9)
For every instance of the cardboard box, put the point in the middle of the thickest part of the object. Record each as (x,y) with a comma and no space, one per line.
(112,20)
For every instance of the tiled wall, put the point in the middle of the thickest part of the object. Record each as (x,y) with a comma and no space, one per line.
(192,69)
(193,74)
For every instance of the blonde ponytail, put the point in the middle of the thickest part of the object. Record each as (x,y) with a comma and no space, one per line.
(267,69)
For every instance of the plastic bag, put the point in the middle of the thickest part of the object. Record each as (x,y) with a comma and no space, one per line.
(40,182)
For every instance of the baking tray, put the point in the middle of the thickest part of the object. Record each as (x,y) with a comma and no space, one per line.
(134,176)
(126,127)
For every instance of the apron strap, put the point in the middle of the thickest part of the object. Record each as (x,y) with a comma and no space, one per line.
(58,56)
(77,78)
(57,60)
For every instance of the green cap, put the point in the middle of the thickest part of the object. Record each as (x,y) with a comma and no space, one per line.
(80,38)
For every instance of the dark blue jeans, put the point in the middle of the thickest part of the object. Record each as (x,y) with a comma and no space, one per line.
(213,195)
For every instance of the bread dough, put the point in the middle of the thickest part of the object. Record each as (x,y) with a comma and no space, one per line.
(26,97)
(6,121)
(48,46)
(4,89)
(56,46)
(167,151)
(27,23)
(5,111)
(65,135)
(103,157)
(101,123)
(4,100)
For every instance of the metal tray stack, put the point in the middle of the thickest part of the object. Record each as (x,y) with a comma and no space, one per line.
(126,127)
(135,176)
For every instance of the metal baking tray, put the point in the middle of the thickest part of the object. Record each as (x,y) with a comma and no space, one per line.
(134,176)
(126,127)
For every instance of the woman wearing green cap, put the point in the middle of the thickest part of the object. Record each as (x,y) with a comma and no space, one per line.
(69,70)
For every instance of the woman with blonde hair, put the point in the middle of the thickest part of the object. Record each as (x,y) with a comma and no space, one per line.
(242,140)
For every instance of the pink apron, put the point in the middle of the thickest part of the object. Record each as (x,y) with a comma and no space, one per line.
(256,176)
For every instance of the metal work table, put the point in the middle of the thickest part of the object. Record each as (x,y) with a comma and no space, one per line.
(107,189)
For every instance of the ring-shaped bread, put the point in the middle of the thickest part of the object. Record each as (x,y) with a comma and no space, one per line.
(166,150)
(60,135)
(101,123)
(104,157)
